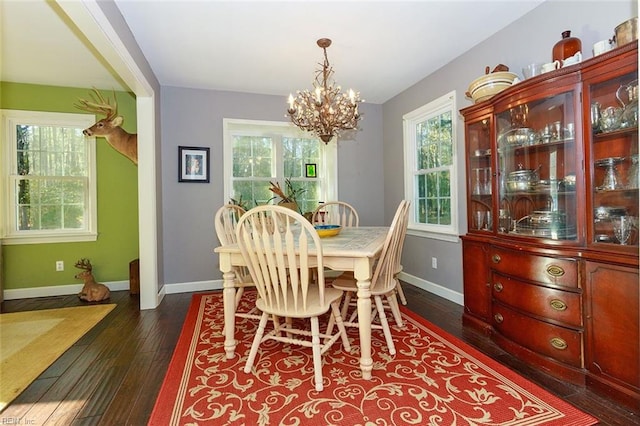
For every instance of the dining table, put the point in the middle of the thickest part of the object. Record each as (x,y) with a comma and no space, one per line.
(353,249)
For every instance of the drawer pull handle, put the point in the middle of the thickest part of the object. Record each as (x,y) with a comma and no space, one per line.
(558,305)
(496,258)
(498,318)
(558,343)
(498,287)
(555,271)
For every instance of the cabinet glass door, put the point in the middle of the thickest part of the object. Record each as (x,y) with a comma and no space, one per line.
(537,168)
(480,176)
(614,139)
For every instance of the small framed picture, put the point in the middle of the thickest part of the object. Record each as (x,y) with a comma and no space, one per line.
(310,170)
(193,164)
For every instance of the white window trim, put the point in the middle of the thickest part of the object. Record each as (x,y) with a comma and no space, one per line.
(10,119)
(329,173)
(442,104)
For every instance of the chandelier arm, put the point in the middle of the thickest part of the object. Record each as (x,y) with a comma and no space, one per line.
(325,111)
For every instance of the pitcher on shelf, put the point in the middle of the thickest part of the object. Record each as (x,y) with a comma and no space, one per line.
(627,95)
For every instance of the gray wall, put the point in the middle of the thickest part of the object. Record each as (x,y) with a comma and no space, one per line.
(527,40)
(194,118)
(373,160)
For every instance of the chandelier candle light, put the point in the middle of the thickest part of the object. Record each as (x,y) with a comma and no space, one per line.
(324,111)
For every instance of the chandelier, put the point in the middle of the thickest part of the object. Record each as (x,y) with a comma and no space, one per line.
(324,111)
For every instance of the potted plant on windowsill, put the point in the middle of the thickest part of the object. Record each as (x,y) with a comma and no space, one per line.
(240,203)
(288,196)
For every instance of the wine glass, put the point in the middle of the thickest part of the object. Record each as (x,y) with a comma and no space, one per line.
(622,228)
(487,181)
(489,220)
(478,187)
(479,219)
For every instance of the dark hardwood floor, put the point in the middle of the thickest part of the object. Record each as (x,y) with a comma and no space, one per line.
(112,375)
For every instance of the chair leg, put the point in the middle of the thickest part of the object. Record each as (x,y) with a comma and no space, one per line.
(346,300)
(335,309)
(403,298)
(239,293)
(317,358)
(330,324)
(256,342)
(385,325)
(392,300)
(289,322)
(345,304)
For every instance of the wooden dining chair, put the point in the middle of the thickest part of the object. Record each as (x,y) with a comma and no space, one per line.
(383,283)
(398,260)
(336,213)
(281,259)
(226,220)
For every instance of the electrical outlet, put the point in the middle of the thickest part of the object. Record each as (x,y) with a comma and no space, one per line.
(434,262)
(59,265)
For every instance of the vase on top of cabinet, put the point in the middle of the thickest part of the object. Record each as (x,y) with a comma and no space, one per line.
(559,254)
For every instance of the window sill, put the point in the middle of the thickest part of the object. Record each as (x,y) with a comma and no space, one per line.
(450,238)
(49,238)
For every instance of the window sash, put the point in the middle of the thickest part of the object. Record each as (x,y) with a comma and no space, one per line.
(280,165)
(430,167)
(50,187)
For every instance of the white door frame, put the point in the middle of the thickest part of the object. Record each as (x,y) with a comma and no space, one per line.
(92,22)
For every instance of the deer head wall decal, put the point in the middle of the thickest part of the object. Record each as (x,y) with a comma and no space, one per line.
(110,126)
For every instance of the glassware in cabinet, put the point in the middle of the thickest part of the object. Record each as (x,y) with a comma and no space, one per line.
(614,161)
(480,175)
(537,154)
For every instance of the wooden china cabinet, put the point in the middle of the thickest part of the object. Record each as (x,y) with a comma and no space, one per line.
(551,253)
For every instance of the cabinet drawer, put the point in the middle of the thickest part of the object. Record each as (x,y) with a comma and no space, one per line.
(543,269)
(556,305)
(559,343)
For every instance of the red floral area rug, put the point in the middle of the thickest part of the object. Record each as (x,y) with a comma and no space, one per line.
(434,379)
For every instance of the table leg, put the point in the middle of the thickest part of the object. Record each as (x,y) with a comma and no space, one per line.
(229,300)
(362,274)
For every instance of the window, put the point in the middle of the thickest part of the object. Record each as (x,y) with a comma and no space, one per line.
(49,188)
(257,152)
(430,172)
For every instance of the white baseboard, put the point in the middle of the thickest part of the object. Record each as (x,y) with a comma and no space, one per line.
(192,286)
(436,289)
(196,286)
(63,290)
(57,290)
(160,295)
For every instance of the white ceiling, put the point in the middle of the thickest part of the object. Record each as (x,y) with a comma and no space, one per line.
(380,48)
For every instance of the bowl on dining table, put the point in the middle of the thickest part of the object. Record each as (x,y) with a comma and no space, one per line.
(327,230)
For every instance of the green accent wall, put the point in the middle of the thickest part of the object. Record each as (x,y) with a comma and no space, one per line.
(33,265)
